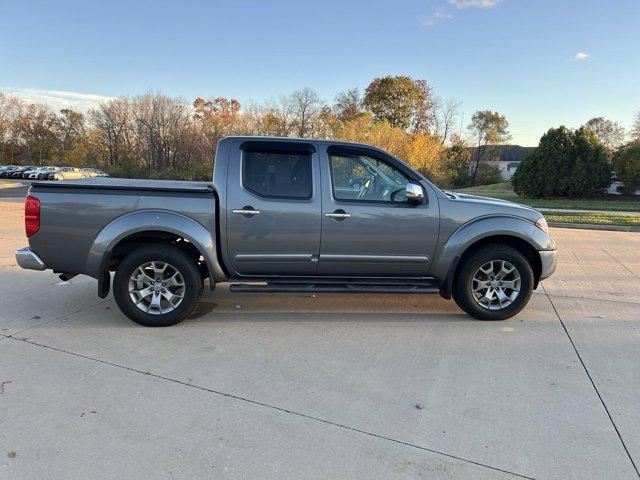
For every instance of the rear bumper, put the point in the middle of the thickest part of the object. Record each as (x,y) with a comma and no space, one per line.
(29,260)
(548,261)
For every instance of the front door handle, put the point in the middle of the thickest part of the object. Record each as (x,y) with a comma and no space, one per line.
(339,215)
(246,211)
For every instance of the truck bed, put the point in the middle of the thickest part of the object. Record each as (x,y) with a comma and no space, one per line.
(74,212)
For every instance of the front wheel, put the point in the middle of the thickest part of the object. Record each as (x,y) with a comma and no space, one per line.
(157,285)
(494,282)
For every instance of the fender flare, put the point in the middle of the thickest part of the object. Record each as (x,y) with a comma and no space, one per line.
(468,234)
(152,220)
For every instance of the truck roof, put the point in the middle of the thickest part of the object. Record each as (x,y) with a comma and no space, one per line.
(259,138)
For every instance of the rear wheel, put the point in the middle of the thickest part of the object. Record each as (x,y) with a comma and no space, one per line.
(494,282)
(157,285)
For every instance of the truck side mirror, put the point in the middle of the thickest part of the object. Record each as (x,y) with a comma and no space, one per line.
(415,193)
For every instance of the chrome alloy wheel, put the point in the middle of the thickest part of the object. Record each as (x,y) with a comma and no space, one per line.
(156,287)
(495,285)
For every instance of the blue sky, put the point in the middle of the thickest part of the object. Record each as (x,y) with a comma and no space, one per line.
(514,56)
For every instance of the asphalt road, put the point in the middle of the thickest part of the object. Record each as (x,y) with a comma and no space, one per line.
(325,386)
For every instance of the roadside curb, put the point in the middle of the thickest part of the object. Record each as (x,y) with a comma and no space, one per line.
(589,226)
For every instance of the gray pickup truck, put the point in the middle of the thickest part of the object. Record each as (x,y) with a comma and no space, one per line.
(287,215)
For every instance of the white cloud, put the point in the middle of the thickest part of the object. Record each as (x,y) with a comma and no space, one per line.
(474,3)
(427,21)
(443,15)
(581,56)
(430,21)
(57,99)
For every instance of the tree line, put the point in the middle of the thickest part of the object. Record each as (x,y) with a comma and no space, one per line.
(158,136)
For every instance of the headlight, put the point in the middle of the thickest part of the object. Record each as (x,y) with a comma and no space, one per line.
(541,223)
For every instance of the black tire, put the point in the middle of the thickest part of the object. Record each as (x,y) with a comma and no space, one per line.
(177,259)
(462,291)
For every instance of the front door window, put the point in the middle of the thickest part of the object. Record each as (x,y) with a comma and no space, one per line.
(364,178)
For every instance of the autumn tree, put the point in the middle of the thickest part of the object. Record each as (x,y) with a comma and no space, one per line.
(36,130)
(421,151)
(305,107)
(215,119)
(401,101)
(113,122)
(456,160)
(489,129)
(424,108)
(445,117)
(71,127)
(608,132)
(10,110)
(347,105)
(325,122)
(77,145)
(162,129)
(276,118)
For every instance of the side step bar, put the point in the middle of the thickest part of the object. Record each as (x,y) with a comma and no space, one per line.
(330,288)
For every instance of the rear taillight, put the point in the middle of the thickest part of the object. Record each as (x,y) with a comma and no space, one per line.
(31,215)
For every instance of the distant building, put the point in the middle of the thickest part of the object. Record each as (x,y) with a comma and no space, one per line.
(506,158)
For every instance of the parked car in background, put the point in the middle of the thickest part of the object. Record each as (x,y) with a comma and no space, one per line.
(17,172)
(6,168)
(94,172)
(6,171)
(38,173)
(49,172)
(44,174)
(14,171)
(32,171)
(68,173)
(617,187)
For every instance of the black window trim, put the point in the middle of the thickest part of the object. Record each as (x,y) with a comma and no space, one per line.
(273,150)
(277,146)
(349,151)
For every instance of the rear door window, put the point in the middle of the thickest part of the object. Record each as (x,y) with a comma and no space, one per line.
(277,174)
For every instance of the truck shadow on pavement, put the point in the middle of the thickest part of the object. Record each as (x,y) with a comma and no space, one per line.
(206,313)
(225,308)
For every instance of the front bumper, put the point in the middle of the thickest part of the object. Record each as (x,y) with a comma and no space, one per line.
(548,261)
(28,259)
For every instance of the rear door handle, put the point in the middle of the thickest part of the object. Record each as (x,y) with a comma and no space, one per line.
(246,211)
(338,215)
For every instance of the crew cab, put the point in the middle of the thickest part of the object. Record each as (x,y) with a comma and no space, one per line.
(283,215)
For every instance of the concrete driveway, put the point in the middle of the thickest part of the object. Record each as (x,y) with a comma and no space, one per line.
(325,386)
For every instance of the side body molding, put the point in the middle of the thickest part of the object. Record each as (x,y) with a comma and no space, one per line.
(156,220)
(469,233)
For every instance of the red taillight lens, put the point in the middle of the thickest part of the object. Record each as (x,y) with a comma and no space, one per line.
(31,215)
